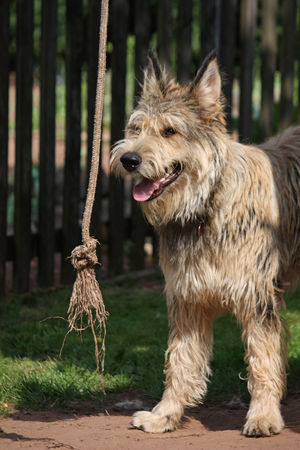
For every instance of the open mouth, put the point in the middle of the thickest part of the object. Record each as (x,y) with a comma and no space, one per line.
(149,189)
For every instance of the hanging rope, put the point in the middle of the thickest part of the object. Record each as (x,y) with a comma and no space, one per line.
(86,302)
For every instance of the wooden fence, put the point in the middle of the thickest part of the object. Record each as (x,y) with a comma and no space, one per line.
(258,49)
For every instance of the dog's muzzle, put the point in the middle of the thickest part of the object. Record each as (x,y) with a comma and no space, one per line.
(130,161)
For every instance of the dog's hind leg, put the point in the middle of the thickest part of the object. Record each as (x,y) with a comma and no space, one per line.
(266,356)
(187,367)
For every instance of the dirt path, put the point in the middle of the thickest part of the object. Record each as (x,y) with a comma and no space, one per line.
(206,427)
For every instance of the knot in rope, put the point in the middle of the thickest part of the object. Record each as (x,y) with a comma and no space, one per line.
(85,256)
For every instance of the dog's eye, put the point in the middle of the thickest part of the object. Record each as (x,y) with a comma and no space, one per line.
(168,132)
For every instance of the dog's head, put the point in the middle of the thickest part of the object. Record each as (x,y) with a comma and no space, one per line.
(174,146)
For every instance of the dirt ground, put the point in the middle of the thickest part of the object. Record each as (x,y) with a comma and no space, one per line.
(88,427)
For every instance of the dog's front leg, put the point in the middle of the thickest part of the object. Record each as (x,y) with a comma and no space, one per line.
(187,367)
(266,356)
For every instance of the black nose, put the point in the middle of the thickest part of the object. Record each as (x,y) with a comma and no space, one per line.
(131,161)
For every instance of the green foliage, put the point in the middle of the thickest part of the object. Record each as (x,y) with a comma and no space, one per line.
(32,375)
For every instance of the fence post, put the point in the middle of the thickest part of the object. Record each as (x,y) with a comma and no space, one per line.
(23,163)
(164,32)
(71,194)
(142,38)
(4,86)
(184,40)
(288,44)
(227,52)
(118,105)
(298,70)
(208,28)
(247,44)
(142,26)
(46,244)
(268,66)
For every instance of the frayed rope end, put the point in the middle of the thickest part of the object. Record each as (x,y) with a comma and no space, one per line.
(87,301)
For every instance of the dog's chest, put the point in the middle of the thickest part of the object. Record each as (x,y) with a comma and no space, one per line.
(186,259)
(182,245)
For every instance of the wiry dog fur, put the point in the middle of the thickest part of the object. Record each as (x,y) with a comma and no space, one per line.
(229,226)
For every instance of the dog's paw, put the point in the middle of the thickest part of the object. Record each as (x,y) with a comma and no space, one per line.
(152,422)
(263,426)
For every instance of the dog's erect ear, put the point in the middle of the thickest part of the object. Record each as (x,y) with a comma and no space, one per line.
(154,76)
(153,59)
(207,83)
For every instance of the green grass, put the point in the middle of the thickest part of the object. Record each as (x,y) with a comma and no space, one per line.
(32,375)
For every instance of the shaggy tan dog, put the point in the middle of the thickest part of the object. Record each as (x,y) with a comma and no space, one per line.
(228,217)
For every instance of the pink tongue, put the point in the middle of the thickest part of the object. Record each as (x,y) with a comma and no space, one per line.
(144,190)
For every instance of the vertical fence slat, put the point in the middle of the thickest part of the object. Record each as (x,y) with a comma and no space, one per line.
(208,27)
(23,164)
(4,86)
(142,38)
(184,40)
(164,32)
(46,245)
(118,106)
(227,52)
(247,44)
(298,67)
(268,66)
(288,45)
(71,199)
(142,30)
